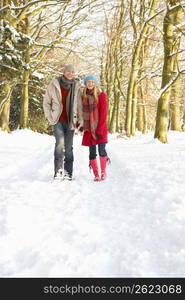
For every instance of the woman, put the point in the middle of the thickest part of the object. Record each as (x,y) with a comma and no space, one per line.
(95,125)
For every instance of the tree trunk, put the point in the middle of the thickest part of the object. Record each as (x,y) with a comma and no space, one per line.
(141,112)
(140,124)
(118,113)
(144,131)
(183,122)
(109,77)
(175,116)
(162,119)
(5,109)
(25,85)
(175,89)
(113,114)
(134,110)
(25,100)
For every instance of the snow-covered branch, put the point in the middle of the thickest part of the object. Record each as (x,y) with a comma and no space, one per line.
(172,80)
(152,74)
(179,5)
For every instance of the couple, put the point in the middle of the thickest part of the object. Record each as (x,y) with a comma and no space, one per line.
(66,107)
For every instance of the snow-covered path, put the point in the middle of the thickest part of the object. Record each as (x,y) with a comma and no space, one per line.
(131,225)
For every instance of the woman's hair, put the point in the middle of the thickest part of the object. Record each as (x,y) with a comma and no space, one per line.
(96,92)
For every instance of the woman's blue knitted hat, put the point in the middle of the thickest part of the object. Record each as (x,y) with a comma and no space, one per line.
(91,77)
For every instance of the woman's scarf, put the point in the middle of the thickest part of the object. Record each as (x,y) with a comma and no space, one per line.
(90,112)
(69,85)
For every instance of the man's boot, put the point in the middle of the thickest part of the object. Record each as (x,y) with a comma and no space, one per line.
(58,174)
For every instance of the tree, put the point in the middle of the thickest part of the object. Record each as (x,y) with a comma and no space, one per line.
(11,66)
(112,64)
(41,30)
(173,16)
(132,85)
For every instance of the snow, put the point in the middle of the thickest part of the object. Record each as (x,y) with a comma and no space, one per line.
(38,75)
(131,225)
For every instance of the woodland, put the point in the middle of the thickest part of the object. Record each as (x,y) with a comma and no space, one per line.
(136,48)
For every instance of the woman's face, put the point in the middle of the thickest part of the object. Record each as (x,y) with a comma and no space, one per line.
(90,84)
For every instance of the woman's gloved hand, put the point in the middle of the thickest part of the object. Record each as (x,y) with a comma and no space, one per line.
(99,136)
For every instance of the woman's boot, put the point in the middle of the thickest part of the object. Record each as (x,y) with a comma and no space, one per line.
(103,164)
(94,165)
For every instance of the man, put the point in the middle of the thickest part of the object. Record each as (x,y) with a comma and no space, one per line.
(63,109)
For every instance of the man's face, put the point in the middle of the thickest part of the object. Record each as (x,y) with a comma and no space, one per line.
(69,74)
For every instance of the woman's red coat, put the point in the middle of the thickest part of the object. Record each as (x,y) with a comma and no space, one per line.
(102,129)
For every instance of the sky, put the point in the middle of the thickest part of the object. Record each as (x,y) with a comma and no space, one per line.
(131,225)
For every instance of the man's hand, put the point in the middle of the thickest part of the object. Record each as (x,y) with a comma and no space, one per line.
(81,128)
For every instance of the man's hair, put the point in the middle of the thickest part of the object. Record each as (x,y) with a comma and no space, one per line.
(69,67)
